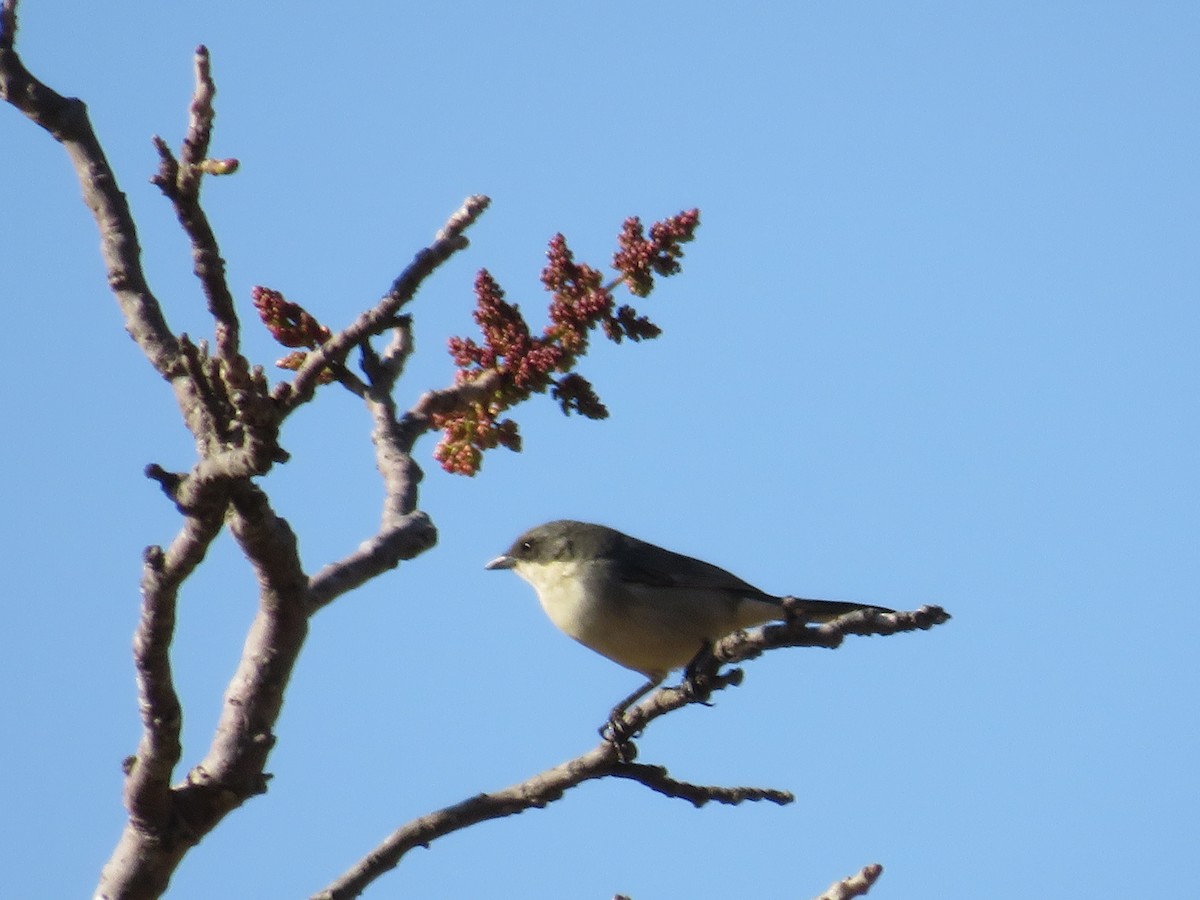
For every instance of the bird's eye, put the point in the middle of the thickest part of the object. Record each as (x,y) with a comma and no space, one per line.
(526,546)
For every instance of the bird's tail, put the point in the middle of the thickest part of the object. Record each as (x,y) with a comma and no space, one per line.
(828,610)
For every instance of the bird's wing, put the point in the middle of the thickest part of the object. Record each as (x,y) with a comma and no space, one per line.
(643,563)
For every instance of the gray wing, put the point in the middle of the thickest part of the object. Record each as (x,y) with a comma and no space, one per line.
(643,563)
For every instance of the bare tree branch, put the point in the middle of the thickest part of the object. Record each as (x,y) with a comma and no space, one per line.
(227,407)
(200,121)
(404,531)
(180,182)
(533,793)
(615,759)
(657,779)
(399,350)
(236,400)
(475,390)
(856,885)
(405,540)
(746,645)
(67,121)
(382,316)
(147,789)
(235,762)
(235,417)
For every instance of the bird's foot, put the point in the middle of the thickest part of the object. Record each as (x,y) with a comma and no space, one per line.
(698,690)
(698,681)
(619,734)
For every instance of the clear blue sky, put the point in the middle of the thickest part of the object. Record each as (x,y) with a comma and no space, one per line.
(936,343)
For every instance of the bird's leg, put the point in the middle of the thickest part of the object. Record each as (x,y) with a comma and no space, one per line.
(613,730)
(697,679)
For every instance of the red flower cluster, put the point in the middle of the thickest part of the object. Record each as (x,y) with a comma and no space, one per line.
(527,364)
(639,260)
(508,343)
(467,433)
(291,325)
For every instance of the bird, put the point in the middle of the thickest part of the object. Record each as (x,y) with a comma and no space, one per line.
(643,607)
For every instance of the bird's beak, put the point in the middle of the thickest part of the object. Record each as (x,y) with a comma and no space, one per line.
(501,562)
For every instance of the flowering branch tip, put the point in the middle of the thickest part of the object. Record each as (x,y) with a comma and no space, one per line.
(521,363)
(292,326)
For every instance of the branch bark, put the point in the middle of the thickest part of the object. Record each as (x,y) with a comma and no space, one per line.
(147,787)
(180,181)
(448,241)
(742,646)
(66,119)
(616,759)
(856,885)
(235,419)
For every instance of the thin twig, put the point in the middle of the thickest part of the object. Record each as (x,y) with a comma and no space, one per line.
(180,182)
(446,400)
(656,778)
(534,793)
(856,885)
(406,539)
(404,531)
(200,121)
(609,759)
(66,119)
(448,241)
(397,352)
(148,787)
(156,817)
(742,646)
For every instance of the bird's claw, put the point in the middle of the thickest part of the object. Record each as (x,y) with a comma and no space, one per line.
(617,733)
(697,688)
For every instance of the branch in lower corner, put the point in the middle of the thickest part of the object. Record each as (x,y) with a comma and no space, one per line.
(656,778)
(856,885)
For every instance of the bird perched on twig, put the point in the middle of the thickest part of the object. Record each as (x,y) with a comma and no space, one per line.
(646,608)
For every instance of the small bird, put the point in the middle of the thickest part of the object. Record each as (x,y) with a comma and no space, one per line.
(646,608)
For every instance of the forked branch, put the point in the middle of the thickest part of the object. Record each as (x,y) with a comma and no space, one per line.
(616,760)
